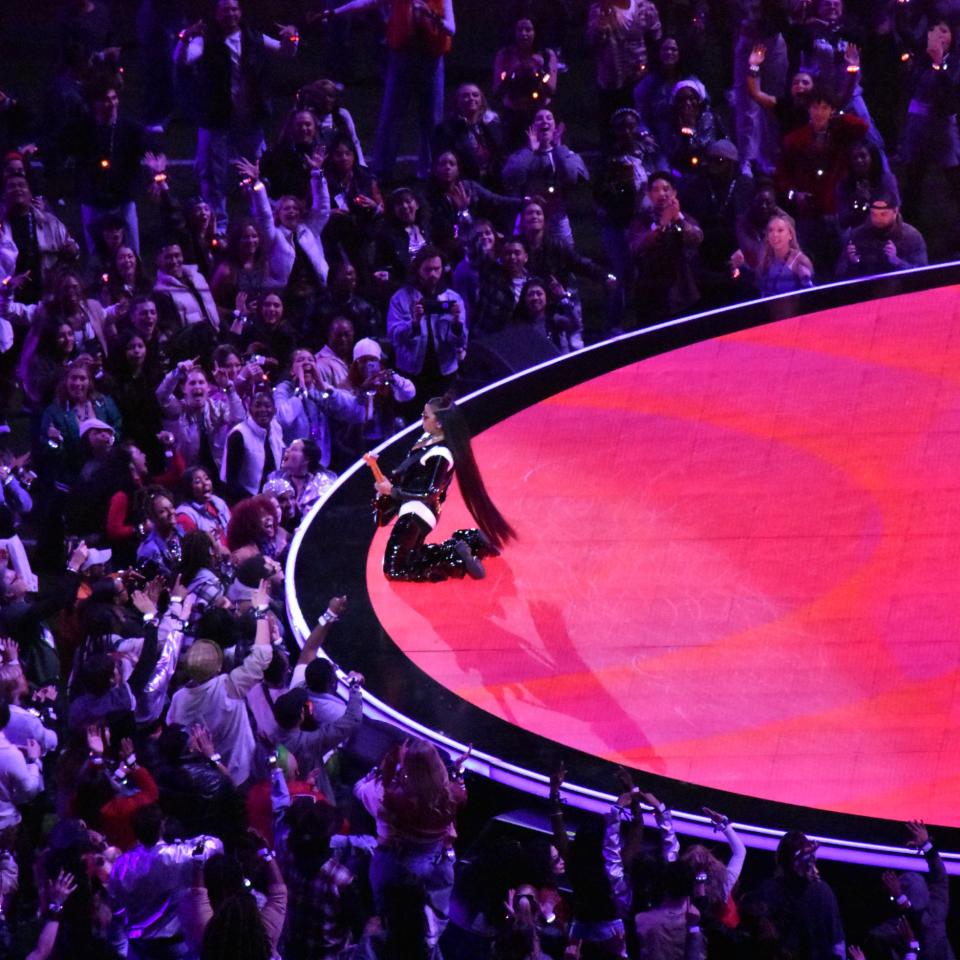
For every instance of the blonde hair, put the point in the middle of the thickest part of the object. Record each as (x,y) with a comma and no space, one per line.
(12,681)
(701,858)
(768,257)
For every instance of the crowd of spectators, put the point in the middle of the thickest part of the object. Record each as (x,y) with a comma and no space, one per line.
(185,369)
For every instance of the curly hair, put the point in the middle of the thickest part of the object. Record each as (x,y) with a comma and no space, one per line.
(245,521)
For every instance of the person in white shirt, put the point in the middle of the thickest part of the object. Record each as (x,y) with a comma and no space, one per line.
(21,773)
(216,699)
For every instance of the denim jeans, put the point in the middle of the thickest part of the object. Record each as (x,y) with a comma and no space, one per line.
(422,76)
(432,865)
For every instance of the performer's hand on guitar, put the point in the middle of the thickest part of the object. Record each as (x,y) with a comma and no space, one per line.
(384,487)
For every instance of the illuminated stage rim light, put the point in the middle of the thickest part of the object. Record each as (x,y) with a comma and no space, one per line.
(529,781)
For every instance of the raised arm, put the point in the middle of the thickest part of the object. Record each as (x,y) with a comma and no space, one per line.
(354,6)
(613,859)
(56,894)
(319,212)
(560,839)
(318,635)
(757,56)
(937,880)
(738,852)
(449,22)
(250,672)
(669,845)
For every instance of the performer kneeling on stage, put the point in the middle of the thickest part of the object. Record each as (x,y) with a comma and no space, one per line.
(417,488)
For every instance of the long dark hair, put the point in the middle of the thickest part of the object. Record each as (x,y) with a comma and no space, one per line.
(456,436)
(236,932)
(197,554)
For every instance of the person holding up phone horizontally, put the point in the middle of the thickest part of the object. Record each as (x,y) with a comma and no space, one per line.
(427,325)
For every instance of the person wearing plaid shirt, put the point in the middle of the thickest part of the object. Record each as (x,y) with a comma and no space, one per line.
(319,867)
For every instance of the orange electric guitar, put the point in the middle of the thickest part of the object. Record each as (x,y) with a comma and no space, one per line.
(384,508)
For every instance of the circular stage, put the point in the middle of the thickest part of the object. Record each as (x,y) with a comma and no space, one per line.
(736,565)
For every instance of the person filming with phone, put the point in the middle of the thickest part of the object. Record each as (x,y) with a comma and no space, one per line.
(427,325)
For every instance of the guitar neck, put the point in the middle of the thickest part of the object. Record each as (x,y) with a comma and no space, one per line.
(371,461)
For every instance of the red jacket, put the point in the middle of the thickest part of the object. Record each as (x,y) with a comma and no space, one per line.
(807,168)
(115,815)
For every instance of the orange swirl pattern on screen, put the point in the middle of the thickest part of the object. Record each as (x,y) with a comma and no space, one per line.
(738,565)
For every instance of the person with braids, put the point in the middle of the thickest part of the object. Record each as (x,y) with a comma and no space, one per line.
(415,492)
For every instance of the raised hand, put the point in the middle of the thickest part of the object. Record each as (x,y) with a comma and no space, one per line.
(459,196)
(918,834)
(337,605)
(892,882)
(156,163)
(194,30)
(17,280)
(143,602)
(671,212)
(557,776)
(625,778)
(247,169)
(852,55)
(201,740)
(95,739)
(155,587)
(80,552)
(316,160)
(59,890)
(261,596)
(757,55)
(718,818)
(905,933)
(185,366)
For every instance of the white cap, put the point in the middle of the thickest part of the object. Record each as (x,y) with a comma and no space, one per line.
(367,348)
(94,424)
(97,556)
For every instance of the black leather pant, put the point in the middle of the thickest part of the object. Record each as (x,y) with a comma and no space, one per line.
(408,557)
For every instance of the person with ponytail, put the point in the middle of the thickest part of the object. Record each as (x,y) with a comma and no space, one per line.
(415,492)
